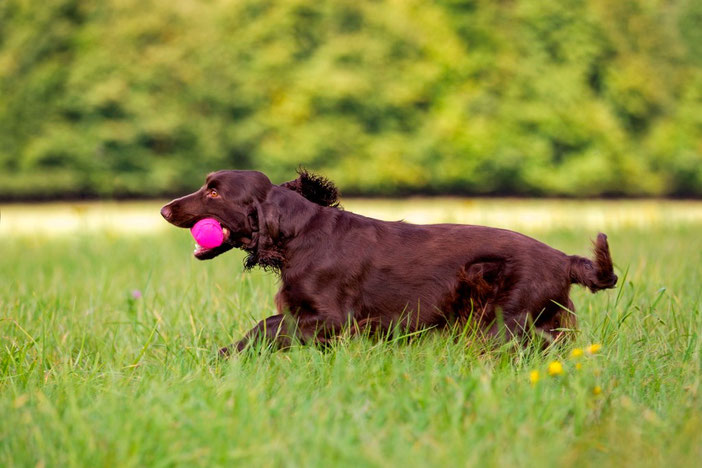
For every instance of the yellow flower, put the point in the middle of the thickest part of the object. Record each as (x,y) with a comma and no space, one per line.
(534,377)
(555,368)
(578,366)
(576,353)
(593,348)
(597,390)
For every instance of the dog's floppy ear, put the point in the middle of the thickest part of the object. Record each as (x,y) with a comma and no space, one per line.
(265,237)
(315,188)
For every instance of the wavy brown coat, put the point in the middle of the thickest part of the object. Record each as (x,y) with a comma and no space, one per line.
(340,269)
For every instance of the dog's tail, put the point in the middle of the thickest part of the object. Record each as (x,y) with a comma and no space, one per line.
(598,273)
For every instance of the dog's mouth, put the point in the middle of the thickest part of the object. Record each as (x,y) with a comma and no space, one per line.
(232,238)
(228,243)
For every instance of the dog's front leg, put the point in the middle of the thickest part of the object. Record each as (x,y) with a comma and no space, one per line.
(272,330)
(282,329)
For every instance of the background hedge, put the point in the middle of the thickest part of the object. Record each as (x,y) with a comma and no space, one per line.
(534,97)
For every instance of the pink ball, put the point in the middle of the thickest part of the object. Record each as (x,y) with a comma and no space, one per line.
(208,233)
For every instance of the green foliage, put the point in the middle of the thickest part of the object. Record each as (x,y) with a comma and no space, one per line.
(556,97)
(92,374)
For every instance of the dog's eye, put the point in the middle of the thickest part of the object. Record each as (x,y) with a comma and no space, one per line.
(212,193)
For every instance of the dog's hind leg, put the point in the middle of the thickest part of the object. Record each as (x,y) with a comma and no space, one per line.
(563,324)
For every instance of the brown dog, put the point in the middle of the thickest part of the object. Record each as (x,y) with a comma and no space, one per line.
(339,268)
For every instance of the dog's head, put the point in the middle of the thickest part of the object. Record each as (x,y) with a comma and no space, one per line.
(249,208)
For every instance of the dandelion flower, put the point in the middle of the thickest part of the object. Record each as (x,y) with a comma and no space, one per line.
(555,368)
(578,366)
(576,353)
(597,390)
(593,348)
(534,377)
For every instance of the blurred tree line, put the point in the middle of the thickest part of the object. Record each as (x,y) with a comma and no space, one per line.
(537,97)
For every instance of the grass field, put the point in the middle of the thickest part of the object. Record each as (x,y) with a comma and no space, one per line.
(109,329)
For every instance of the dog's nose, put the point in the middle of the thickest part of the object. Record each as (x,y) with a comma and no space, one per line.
(166,212)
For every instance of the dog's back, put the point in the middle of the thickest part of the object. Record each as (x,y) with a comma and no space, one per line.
(427,275)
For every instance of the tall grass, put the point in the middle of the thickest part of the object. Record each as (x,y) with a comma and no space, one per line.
(108,342)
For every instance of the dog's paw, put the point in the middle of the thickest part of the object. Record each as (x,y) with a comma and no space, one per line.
(225,352)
